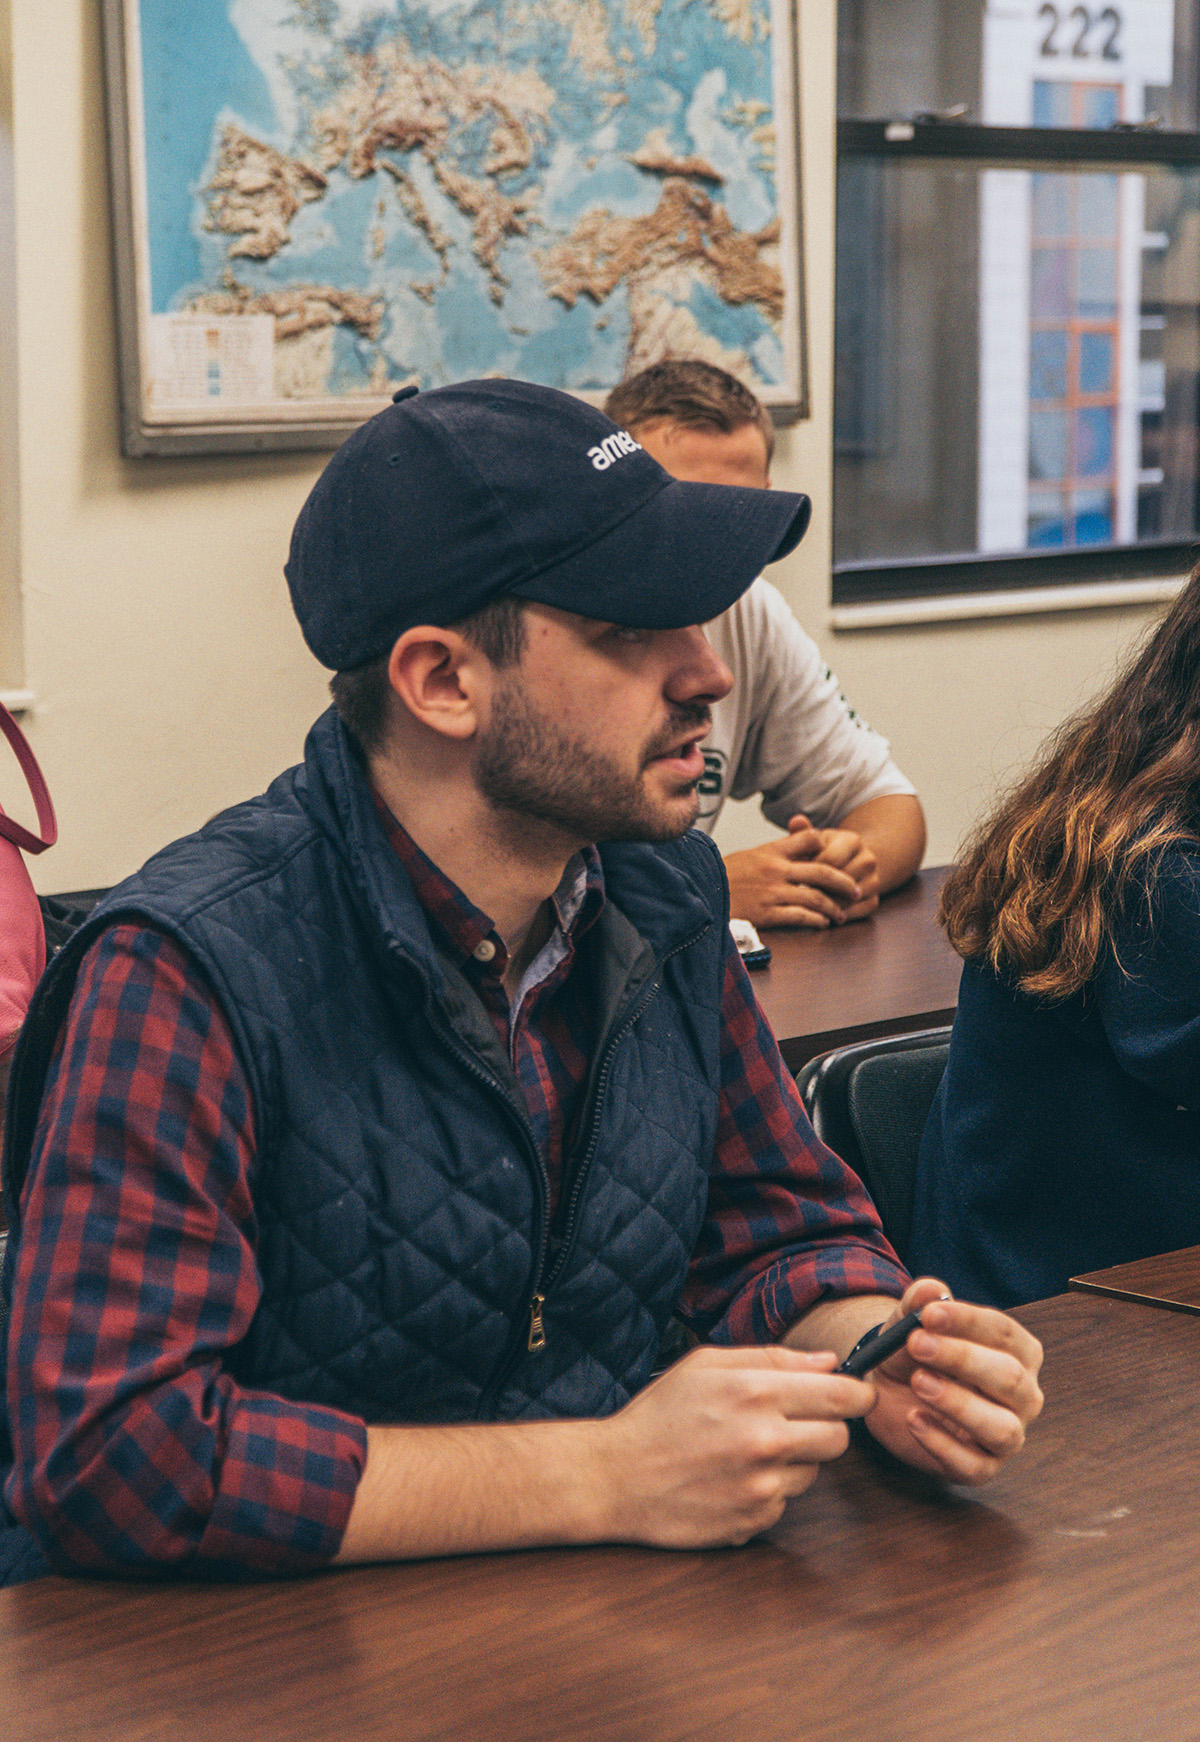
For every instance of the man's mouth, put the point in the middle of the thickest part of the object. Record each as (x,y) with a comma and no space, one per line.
(685,757)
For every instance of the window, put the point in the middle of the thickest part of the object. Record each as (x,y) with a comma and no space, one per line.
(1017,392)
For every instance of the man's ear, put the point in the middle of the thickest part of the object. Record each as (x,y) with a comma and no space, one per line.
(440,679)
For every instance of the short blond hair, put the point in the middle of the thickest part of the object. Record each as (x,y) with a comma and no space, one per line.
(692,393)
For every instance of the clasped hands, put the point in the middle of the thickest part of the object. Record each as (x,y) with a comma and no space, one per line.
(808,877)
(713,1450)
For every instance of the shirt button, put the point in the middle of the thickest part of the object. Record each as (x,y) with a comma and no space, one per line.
(485,951)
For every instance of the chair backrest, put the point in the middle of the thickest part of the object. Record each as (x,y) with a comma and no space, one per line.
(869,1103)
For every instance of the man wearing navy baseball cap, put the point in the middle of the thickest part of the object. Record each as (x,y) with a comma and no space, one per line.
(367,1148)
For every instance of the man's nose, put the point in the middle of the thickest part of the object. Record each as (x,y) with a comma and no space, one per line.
(699,675)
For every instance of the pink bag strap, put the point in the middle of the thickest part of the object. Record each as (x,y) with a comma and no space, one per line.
(10,830)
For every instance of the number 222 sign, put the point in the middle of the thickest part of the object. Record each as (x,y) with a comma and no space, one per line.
(1126,42)
(1083,33)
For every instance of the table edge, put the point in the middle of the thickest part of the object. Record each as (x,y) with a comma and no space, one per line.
(1077,1285)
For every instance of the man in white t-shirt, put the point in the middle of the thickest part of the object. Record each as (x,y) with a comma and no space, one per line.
(855,828)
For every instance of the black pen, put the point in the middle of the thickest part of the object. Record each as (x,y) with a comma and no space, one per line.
(869,1354)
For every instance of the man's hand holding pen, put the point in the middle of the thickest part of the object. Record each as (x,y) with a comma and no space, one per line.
(956,1399)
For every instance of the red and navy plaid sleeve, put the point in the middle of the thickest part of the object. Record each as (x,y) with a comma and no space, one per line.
(788,1224)
(136,1274)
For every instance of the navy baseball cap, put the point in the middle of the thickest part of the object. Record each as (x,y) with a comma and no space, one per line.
(449,499)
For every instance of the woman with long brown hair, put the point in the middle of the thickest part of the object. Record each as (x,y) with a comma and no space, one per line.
(1066,1132)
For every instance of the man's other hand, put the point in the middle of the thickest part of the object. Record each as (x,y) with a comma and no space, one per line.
(956,1400)
(710,1453)
(808,877)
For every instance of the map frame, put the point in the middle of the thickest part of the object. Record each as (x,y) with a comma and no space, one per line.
(321,424)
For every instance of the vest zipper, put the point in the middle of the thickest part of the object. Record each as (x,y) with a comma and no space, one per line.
(536,1341)
(542,1182)
(585,1161)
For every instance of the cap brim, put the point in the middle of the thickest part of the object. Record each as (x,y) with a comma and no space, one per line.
(683,557)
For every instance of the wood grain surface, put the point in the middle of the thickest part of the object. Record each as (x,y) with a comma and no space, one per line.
(1058,1605)
(1172,1280)
(889,974)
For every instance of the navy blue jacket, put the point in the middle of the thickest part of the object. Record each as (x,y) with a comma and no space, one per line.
(1065,1136)
(403,1231)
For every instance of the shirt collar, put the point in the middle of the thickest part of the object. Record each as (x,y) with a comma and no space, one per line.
(467,931)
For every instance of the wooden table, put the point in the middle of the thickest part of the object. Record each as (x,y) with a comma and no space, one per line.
(889,974)
(1171,1279)
(1058,1605)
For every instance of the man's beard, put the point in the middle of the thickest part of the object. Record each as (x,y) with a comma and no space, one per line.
(527,765)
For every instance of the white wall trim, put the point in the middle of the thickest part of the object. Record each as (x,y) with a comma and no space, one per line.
(1027,602)
(17,701)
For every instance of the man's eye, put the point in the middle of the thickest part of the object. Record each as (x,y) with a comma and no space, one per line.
(622,632)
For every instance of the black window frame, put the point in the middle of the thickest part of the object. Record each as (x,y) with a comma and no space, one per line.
(1125,146)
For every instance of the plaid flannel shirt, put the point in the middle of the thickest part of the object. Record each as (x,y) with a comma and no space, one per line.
(134,1448)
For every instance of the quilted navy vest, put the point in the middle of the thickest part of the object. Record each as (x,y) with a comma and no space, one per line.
(403,1233)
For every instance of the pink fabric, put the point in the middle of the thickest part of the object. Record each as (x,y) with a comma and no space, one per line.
(22,934)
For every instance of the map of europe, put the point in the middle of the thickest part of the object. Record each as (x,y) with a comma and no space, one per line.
(428,190)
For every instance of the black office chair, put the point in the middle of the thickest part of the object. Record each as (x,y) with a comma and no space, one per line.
(869,1103)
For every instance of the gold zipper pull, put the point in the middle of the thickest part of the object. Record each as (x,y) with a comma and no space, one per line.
(537,1330)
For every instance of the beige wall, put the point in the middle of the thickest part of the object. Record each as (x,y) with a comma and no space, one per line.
(9,601)
(168,674)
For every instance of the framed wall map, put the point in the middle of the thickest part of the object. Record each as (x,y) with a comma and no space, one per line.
(318,201)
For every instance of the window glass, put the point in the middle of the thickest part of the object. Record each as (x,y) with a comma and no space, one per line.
(1017,349)
(1020,63)
(972,373)
(1049,353)
(1096,353)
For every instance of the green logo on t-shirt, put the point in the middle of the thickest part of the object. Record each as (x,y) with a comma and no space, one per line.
(711,783)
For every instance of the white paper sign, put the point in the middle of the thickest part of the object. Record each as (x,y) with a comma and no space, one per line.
(1133,40)
(226,359)
(1129,43)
